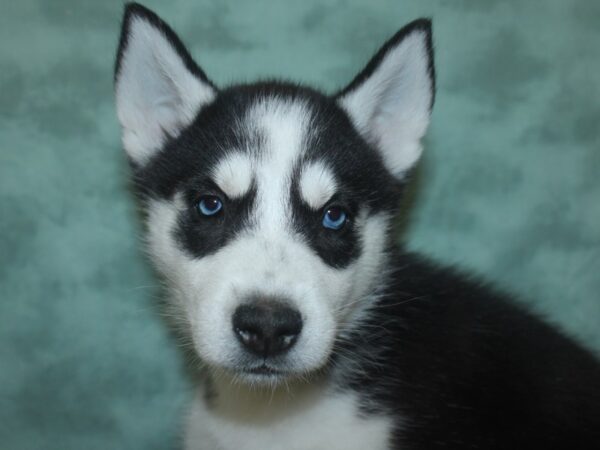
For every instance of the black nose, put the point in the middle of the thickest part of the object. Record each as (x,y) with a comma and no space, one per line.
(267,328)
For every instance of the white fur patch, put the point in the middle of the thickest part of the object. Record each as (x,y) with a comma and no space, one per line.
(391,108)
(306,418)
(317,185)
(156,95)
(284,125)
(234,175)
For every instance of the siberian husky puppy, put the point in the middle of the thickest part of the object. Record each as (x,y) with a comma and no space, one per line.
(269,210)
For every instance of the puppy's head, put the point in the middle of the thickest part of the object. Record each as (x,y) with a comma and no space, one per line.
(269,205)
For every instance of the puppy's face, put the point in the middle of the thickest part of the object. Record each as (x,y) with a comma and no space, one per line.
(272,205)
(268,205)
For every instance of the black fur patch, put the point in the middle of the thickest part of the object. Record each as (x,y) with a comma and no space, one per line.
(419,24)
(136,10)
(363,184)
(201,235)
(462,366)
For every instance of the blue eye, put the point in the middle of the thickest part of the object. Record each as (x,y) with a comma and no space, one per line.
(334,218)
(209,205)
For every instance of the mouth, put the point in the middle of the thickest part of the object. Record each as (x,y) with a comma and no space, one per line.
(263,374)
(264,370)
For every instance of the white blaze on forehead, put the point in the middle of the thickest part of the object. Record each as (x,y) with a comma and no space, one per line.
(284,125)
(317,184)
(233,175)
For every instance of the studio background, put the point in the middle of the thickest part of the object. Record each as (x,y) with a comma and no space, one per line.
(509,186)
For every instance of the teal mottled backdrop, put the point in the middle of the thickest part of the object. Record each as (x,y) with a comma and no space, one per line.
(509,186)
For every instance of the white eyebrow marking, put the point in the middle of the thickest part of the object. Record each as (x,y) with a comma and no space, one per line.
(317,184)
(233,175)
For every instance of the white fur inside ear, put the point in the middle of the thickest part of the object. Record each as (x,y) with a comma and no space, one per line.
(156,94)
(391,107)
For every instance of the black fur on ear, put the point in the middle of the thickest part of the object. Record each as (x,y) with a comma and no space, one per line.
(423,24)
(390,100)
(136,10)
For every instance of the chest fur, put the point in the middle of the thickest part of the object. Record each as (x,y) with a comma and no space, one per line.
(311,419)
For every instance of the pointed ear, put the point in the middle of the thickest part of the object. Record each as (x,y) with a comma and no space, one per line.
(390,101)
(159,88)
